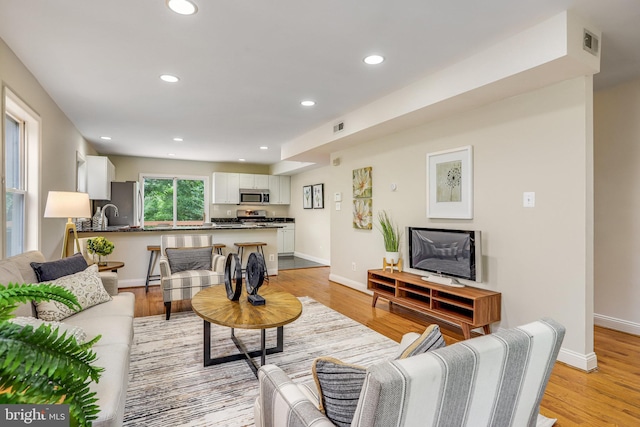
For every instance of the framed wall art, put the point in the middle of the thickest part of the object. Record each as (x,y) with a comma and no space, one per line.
(318,196)
(362,184)
(450,183)
(307,197)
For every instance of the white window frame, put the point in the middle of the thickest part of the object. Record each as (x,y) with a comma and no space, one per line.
(205,178)
(32,128)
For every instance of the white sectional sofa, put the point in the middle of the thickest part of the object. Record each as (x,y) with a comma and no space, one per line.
(113,320)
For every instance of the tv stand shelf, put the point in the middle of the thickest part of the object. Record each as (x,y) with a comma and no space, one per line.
(466,307)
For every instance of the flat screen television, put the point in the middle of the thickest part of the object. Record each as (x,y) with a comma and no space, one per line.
(448,254)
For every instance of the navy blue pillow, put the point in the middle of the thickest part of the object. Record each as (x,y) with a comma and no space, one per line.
(46,271)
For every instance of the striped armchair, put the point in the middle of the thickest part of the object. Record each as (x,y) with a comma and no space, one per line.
(492,380)
(183,285)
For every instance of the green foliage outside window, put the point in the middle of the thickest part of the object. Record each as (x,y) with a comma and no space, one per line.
(159,200)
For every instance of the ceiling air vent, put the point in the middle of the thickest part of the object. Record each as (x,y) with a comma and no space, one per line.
(338,127)
(590,42)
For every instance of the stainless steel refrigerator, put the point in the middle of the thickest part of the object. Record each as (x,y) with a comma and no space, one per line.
(128,198)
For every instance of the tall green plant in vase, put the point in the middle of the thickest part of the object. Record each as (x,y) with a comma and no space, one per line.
(42,365)
(391,235)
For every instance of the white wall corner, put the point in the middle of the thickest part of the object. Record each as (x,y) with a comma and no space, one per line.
(350,283)
(312,258)
(616,324)
(585,362)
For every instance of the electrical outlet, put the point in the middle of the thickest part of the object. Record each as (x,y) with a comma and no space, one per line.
(353,266)
(228,213)
(272,257)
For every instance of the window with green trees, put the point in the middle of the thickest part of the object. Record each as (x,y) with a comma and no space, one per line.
(178,201)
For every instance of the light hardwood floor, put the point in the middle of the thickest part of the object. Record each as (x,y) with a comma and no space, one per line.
(608,397)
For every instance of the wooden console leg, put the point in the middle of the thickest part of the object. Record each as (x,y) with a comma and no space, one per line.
(466,331)
(486,329)
(374,300)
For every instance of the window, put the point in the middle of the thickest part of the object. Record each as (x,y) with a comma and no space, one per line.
(177,201)
(21,190)
(15,192)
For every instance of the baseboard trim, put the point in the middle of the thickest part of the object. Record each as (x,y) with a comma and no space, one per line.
(616,324)
(350,283)
(312,258)
(134,283)
(586,362)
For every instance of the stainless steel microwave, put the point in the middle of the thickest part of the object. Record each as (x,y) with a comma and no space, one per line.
(254,197)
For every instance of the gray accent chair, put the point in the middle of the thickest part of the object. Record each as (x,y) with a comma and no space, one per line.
(183,285)
(492,380)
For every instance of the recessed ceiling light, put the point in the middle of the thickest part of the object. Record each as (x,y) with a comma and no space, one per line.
(373,59)
(183,7)
(169,78)
(241,160)
(264,147)
(171,154)
(308,103)
(178,139)
(106,138)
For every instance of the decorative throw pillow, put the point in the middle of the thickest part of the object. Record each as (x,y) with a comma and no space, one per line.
(72,331)
(339,385)
(184,259)
(430,339)
(86,286)
(46,271)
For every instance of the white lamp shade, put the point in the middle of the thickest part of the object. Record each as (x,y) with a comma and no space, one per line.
(67,204)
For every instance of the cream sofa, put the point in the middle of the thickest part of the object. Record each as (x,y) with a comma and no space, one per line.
(493,380)
(113,320)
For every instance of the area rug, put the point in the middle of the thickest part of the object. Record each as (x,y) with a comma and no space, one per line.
(168,386)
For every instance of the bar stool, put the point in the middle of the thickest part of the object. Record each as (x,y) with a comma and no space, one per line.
(259,249)
(153,258)
(218,248)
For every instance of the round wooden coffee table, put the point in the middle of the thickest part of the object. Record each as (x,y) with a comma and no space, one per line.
(213,306)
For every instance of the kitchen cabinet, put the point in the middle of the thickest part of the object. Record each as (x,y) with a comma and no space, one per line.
(254,181)
(286,239)
(225,188)
(279,190)
(100,173)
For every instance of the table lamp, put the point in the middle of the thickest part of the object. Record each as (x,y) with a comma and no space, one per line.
(68,204)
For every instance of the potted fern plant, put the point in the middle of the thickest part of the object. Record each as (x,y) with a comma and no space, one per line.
(391,235)
(41,365)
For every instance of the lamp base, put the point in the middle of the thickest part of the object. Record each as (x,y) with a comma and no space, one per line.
(69,226)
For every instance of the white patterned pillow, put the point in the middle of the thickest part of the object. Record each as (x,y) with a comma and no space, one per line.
(72,331)
(85,285)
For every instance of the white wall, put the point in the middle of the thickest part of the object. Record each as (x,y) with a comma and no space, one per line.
(617,203)
(313,226)
(59,142)
(538,258)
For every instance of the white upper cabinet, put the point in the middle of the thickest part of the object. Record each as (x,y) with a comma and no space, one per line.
(279,190)
(254,181)
(100,173)
(225,188)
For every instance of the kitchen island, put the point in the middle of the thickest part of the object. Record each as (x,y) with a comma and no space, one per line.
(131,245)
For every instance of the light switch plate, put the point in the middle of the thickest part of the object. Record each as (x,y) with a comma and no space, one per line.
(337,197)
(529,199)
(338,206)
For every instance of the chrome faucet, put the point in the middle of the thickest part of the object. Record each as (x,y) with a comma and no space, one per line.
(104,210)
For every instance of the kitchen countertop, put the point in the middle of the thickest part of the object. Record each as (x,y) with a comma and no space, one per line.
(217,224)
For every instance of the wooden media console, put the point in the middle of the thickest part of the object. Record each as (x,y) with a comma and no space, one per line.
(466,307)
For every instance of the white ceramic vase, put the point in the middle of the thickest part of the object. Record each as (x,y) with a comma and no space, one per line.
(392,257)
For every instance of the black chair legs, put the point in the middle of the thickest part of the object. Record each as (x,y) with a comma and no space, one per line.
(167,309)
